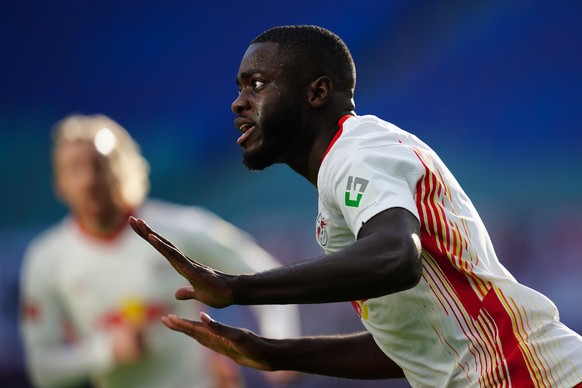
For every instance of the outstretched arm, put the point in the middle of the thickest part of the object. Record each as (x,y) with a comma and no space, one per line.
(353,356)
(385,259)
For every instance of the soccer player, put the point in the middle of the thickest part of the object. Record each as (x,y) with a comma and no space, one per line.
(93,296)
(403,243)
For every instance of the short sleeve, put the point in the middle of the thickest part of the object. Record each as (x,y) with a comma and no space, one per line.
(374,179)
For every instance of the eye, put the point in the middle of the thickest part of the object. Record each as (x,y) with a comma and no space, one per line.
(257,84)
(251,85)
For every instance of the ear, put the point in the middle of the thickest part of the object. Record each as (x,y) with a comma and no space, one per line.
(320,91)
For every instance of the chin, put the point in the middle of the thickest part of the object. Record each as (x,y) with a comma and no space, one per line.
(255,165)
(268,150)
(258,160)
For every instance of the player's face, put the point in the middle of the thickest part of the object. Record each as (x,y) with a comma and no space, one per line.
(268,108)
(84,180)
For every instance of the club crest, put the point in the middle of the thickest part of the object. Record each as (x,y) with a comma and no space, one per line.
(321,230)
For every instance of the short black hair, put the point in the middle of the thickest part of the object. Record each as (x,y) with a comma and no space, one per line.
(320,49)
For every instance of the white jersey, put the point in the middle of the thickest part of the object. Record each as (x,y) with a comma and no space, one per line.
(76,288)
(468,322)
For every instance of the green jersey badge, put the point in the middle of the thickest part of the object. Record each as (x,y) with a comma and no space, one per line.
(355,187)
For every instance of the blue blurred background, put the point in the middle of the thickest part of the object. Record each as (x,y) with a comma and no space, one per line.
(494,86)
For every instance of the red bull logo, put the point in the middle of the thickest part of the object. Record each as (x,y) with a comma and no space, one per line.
(134,312)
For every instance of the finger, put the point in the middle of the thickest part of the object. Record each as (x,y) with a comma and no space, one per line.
(197,330)
(212,324)
(205,318)
(185,293)
(159,236)
(162,245)
(193,329)
(144,230)
(172,322)
(220,329)
(136,225)
(180,262)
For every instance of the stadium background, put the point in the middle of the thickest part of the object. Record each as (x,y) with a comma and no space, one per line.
(494,86)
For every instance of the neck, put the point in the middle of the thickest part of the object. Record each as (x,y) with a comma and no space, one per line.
(105,227)
(324,136)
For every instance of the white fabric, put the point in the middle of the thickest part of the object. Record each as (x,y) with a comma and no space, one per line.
(468,321)
(70,277)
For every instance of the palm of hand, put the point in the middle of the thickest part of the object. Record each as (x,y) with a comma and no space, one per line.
(241,345)
(207,285)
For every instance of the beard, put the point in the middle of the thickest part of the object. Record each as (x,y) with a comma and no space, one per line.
(260,159)
(266,155)
(280,132)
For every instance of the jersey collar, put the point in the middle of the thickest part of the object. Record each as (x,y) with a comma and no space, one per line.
(337,135)
(103,237)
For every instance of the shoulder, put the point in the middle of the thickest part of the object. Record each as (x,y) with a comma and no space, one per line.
(51,237)
(362,126)
(43,250)
(163,213)
(200,233)
(368,143)
(173,218)
(365,136)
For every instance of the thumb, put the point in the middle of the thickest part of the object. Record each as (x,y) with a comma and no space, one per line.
(211,323)
(185,293)
(205,318)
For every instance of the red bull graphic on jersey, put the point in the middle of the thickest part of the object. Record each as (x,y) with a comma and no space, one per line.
(355,190)
(135,313)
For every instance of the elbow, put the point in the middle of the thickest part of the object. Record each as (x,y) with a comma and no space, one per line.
(403,268)
(412,264)
(411,272)
(401,278)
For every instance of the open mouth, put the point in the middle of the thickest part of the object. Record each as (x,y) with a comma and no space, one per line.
(247,128)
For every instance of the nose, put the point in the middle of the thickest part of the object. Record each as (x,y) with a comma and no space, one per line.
(89,177)
(240,104)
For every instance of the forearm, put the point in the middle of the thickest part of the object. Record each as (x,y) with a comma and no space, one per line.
(385,259)
(361,271)
(354,356)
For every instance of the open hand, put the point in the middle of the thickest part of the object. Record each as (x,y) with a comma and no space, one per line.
(207,285)
(243,346)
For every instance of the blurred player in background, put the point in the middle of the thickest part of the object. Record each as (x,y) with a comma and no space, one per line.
(403,243)
(93,293)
